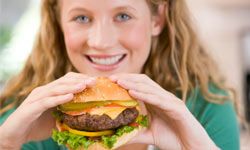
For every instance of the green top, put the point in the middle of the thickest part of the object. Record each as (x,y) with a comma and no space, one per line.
(218,120)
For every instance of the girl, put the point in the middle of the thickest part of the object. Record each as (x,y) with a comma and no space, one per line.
(147,47)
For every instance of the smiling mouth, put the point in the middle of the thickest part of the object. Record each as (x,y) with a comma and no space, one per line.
(106,60)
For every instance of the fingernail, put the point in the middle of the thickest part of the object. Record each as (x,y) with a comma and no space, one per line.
(113,78)
(121,82)
(80,85)
(90,81)
(70,95)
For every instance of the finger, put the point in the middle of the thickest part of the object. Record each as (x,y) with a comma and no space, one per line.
(148,98)
(28,113)
(70,86)
(66,89)
(72,78)
(136,78)
(143,137)
(38,107)
(129,85)
(155,96)
(170,104)
(144,88)
(59,88)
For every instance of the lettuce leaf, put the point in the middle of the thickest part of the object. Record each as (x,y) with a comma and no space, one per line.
(109,141)
(75,141)
(142,120)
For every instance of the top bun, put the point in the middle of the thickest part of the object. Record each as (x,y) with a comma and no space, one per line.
(104,89)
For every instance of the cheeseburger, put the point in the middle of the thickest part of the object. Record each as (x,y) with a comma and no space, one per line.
(103,116)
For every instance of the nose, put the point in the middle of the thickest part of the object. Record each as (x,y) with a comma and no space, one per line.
(102,36)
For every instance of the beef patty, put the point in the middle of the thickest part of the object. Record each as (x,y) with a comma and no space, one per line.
(89,122)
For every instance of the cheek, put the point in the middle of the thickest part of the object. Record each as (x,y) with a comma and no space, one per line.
(137,38)
(73,40)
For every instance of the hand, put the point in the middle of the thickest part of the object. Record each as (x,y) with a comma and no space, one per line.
(32,120)
(172,126)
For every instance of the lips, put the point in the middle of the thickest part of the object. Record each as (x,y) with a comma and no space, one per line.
(105,62)
(108,60)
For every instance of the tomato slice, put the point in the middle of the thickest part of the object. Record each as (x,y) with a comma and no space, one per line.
(134,124)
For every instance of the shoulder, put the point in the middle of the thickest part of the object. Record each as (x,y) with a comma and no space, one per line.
(219,120)
(197,103)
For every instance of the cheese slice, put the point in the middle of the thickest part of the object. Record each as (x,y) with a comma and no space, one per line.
(112,112)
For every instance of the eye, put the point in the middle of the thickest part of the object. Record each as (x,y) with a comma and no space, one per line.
(82,19)
(123,17)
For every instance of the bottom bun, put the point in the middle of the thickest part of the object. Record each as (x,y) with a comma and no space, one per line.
(95,146)
(126,137)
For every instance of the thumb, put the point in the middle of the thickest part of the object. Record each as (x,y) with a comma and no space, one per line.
(142,137)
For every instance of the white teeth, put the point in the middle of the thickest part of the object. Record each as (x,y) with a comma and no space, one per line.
(106,61)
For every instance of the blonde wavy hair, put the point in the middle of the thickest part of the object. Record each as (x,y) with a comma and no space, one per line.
(177,60)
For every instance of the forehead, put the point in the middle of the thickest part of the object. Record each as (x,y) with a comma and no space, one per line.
(101,4)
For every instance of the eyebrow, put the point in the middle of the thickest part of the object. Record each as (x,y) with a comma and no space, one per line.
(125,8)
(78,9)
(119,8)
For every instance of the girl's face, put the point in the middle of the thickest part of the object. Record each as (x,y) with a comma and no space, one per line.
(104,37)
